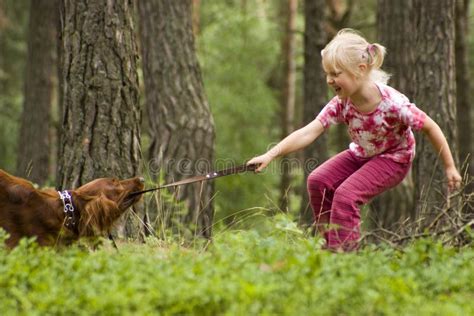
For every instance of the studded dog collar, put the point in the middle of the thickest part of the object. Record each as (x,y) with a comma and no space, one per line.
(70,220)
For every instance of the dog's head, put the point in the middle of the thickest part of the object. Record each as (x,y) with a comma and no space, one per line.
(103,201)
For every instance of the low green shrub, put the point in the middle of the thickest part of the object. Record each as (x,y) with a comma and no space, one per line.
(279,272)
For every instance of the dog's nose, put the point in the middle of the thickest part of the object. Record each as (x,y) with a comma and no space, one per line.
(141,179)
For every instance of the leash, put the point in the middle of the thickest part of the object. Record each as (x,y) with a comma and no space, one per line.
(209,176)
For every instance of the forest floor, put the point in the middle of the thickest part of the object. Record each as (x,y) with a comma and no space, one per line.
(239,273)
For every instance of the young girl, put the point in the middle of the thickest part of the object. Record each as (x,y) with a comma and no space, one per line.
(380,121)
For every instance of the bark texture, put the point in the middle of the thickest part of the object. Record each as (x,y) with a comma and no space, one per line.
(180,121)
(100,128)
(435,92)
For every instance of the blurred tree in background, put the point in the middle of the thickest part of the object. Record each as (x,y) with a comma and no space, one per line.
(34,148)
(180,123)
(463,82)
(288,14)
(13,50)
(315,92)
(434,92)
(394,30)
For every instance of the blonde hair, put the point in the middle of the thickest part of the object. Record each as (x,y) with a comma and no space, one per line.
(348,49)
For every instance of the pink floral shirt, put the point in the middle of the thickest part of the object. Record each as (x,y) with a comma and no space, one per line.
(386,131)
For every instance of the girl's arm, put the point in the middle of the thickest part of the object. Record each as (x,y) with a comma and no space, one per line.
(437,139)
(293,142)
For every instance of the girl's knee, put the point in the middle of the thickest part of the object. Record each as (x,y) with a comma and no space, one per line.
(345,197)
(316,181)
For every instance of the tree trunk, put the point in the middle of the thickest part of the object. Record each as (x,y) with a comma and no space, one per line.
(340,12)
(395,31)
(14,30)
(434,92)
(315,93)
(394,26)
(3,18)
(181,124)
(34,140)
(288,96)
(100,135)
(196,9)
(464,111)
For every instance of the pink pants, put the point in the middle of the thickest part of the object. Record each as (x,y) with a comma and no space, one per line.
(340,185)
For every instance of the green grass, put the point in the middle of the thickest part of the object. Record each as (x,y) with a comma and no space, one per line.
(279,272)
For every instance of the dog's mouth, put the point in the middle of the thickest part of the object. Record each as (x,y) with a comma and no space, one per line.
(130,199)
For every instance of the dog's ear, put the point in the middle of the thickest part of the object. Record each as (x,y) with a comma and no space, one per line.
(98,215)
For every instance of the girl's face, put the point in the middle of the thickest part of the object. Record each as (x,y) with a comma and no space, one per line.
(342,82)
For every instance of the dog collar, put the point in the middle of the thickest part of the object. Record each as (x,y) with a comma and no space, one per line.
(70,218)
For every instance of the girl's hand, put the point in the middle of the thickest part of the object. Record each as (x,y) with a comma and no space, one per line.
(454,178)
(262,160)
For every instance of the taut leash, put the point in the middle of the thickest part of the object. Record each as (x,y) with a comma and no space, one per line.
(209,176)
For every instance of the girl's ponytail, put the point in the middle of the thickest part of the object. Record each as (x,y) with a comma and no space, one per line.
(375,57)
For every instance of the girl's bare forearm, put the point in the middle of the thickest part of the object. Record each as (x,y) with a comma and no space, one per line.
(439,142)
(297,140)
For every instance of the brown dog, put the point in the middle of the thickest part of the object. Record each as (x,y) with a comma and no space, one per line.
(53,216)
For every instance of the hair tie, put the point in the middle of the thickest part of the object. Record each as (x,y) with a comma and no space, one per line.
(371,49)
(370,53)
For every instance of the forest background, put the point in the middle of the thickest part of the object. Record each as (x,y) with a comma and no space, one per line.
(253,77)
